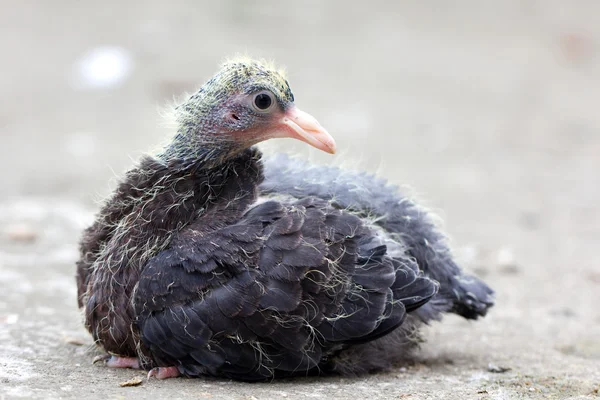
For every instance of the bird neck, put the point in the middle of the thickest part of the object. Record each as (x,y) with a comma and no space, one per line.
(199,138)
(215,175)
(187,151)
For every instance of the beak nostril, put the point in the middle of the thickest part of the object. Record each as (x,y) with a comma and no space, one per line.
(234,116)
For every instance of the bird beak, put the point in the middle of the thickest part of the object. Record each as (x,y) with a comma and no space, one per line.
(302,126)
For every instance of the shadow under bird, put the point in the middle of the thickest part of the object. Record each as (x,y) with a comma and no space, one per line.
(209,260)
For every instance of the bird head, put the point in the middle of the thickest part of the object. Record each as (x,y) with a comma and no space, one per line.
(245,103)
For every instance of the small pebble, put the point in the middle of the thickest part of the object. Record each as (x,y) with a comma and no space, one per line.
(74,341)
(135,381)
(497,369)
(21,233)
(564,312)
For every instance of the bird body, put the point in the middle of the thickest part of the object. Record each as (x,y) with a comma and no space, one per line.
(209,260)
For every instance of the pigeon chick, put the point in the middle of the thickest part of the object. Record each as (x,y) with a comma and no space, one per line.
(207,260)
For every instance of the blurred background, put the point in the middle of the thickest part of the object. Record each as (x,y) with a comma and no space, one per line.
(486,111)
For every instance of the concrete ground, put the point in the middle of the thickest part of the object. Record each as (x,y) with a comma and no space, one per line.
(486,110)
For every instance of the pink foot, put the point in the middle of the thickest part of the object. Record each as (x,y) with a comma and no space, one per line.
(163,372)
(122,362)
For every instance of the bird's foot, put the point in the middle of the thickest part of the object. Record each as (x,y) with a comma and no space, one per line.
(164,372)
(118,362)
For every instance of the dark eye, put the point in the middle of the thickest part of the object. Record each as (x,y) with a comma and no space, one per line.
(263,101)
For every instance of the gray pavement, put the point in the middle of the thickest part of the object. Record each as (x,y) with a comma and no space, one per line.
(487,111)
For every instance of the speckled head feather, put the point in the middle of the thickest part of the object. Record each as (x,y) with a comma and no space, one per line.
(253,75)
(209,116)
(242,76)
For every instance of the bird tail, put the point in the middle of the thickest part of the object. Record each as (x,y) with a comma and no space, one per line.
(464,295)
(471,297)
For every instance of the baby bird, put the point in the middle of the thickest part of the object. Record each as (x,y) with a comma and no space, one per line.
(207,260)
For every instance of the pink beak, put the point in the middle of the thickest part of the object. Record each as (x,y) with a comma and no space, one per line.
(297,124)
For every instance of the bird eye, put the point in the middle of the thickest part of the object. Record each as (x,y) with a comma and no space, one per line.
(262,101)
